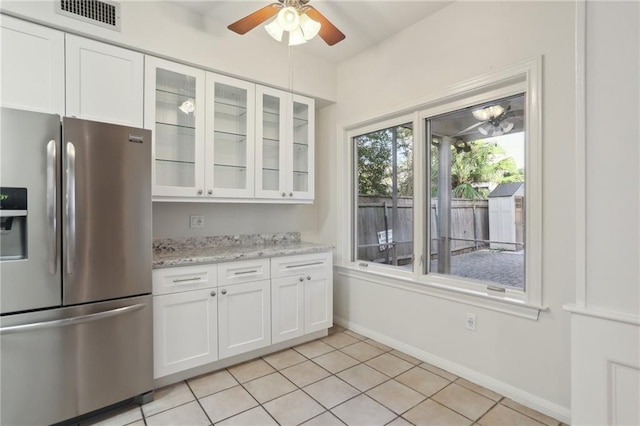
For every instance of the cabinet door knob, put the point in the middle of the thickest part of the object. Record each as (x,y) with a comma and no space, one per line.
(210,191)
(291,194)
(224,291)
(284,194)
(213,293)
(301,279)
(308,277)
(199,191)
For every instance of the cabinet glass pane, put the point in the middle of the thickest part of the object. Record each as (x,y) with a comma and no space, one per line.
(271,143)
(300,147)
(230,137)
(175,129)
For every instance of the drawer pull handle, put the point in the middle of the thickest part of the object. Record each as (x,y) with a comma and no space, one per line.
(213,293)
(224,291)
(304,264)
(184,280)
(246,272)
(308,277)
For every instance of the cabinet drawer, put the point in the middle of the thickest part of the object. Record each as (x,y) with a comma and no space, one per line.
(183,278)
(243,272)
(302,264)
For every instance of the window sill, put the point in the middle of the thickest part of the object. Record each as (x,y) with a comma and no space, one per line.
(480,299)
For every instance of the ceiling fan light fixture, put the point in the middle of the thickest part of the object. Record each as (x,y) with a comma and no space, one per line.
(288,18)
(310,28)
(296,37)
(486,113)
(188,106)
(275,30)
(485,129)
(506,126)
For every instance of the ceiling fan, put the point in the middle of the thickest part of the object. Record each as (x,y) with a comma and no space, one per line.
(303,22)
(494,120)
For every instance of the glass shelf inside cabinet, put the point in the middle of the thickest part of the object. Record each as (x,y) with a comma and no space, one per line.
(271,154)
(230,176)
(300,114)
(230,100)
(175,133)
(270,179)
(300,181)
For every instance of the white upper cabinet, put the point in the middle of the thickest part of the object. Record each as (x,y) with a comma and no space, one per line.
(32,59)
(230,140)
(284,145)
(175,112)
(104,82)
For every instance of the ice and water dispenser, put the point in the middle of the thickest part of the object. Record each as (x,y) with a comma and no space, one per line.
(13,223)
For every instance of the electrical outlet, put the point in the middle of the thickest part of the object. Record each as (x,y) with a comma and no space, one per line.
(196,222)
(470,323)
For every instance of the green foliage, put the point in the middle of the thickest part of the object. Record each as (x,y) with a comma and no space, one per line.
(481,164)
(484,162)
(375,162)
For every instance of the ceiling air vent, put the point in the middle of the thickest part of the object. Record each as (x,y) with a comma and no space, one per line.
(103,13)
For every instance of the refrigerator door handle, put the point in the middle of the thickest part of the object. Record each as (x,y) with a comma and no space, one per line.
(70,321)
(52,197)
(71,207)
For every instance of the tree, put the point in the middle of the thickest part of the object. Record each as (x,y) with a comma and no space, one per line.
(375,162)
(484,162)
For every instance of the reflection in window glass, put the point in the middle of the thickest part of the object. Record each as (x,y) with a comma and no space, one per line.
(477,207)
(384,203)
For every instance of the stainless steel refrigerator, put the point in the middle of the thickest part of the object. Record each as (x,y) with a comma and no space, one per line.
(75,266)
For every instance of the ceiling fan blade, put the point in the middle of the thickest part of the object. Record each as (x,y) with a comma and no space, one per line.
(473,126)
(328,32)
(249,22)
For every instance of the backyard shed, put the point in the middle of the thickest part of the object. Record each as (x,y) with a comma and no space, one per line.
(506,216)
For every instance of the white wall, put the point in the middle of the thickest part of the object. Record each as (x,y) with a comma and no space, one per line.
(605,324)
(613,175)
(171,220)
(529,359)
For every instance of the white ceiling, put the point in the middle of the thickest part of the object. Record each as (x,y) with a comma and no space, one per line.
(365,23)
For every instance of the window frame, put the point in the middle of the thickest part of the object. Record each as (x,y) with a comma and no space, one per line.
(353,225)
(524,77)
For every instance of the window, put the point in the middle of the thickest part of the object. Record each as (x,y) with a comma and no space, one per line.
(477,193)
(447,200)
(384,196)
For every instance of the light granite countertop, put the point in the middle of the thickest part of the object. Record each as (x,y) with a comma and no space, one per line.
(201,250)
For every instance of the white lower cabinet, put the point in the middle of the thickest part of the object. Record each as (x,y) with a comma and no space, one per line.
(206,313)
(318,302)
(287,303)
(244,314)
(185,330)
(302,295)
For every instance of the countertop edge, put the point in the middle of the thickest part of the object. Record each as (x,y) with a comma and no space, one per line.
(247,253)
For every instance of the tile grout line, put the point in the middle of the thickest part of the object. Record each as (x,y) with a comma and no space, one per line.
(199,403)
(255,399)
(456,380)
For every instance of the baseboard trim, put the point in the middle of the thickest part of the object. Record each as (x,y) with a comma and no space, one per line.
(530,400)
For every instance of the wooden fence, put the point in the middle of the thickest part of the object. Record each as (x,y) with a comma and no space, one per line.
(469,220)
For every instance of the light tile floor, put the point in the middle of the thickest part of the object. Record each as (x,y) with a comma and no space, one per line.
(342,379)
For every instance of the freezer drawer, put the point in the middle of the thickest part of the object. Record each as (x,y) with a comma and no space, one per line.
(63,363)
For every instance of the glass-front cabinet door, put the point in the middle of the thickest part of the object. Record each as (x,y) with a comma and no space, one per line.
(174,112)
(271,140)
(301,160)
(284,145)
(230,139)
